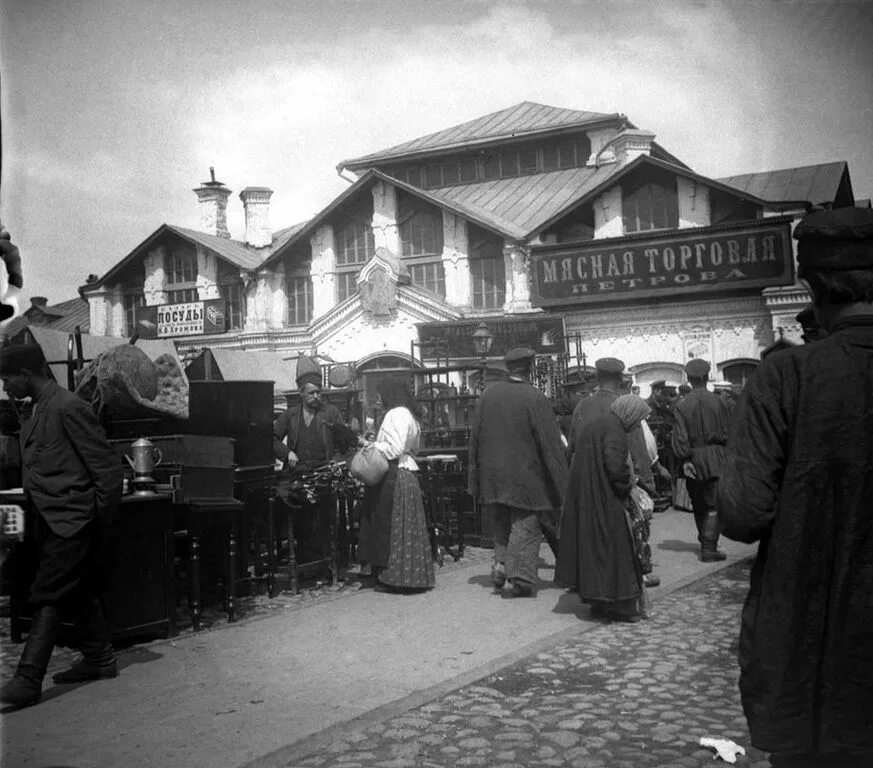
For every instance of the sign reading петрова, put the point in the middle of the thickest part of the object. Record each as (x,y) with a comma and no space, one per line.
(696,260)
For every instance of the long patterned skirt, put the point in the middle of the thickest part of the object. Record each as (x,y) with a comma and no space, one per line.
(410,561)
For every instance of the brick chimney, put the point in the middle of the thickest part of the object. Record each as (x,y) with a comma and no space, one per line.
(256,201)
(630,144)
(39,302)
(213,206)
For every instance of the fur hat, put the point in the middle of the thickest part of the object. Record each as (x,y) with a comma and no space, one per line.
(14,357)
(838,239)
(308,371)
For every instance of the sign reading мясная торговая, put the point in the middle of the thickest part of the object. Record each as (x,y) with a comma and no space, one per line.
(723,258)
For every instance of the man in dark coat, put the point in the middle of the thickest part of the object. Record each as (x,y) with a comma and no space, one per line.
(311,430)
(73,481)
(609,372)
(799,479)
(700,433)
(517,470)
(609,378)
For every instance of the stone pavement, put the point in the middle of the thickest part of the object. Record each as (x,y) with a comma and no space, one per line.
(617,695)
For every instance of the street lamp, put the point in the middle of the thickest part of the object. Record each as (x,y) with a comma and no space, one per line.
(482,340)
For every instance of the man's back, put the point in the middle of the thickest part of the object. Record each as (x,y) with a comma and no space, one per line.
(516,452)
(799,476)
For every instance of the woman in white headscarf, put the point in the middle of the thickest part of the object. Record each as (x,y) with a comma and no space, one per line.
(598,556)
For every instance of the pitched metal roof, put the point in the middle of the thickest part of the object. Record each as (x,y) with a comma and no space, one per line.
(517,121)
(69,314)
(523,203)
(808,183)
(234,251)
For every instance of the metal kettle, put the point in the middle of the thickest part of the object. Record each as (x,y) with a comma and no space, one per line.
(145,457)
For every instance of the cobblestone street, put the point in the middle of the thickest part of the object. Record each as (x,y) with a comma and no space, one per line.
(619,695)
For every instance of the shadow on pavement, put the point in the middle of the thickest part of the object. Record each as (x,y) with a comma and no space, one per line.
(675,545)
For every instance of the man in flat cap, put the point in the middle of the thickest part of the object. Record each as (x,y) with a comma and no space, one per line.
(73,480)
(609,378)
(517,470)
(306,435)
(799,479)
(700,434)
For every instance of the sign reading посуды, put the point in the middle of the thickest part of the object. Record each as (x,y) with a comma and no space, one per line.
(698,260)
(188,319)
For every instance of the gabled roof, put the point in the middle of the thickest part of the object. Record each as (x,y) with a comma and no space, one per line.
(519,121)
(474,213)
(237,253)
(67,315)
(809,183)
(525,202)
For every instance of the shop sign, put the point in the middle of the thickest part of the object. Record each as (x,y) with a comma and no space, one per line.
(455,339)
(193,318)
(689,261)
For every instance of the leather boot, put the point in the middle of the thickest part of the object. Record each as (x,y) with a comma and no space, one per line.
(98,658)
(709,552)
(25,687)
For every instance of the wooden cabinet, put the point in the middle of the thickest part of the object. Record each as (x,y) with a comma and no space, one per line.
(139,576)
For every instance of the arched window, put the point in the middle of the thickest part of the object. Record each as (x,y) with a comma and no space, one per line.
(650,206)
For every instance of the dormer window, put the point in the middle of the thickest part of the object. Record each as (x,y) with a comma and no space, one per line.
(355,245)
(650,206)
(180,271)
(421,244)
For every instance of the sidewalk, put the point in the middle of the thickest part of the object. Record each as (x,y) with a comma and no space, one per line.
(237,693)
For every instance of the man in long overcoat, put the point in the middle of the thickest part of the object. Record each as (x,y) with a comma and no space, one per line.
(517,470)
(73,480)
(700,432)
(799,479)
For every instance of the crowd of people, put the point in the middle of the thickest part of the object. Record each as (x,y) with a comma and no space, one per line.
(790,465)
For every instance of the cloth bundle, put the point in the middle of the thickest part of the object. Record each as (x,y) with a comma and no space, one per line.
(123,383)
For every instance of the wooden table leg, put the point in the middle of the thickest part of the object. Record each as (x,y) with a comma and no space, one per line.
(230,587)
(194,541)
(332,544)
(292,553)
(272,548)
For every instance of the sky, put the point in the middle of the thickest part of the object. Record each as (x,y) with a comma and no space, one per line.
(113,112)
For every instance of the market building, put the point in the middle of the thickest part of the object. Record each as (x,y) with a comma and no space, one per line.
(547,224)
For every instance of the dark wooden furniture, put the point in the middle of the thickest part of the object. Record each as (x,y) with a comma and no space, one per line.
(140,582)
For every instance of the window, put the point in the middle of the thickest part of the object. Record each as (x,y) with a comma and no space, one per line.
(130,302)
(429,275)
(450,173)
(182,296)
(346,285)
(487,270)
(421,229)
(527,161)
(232,293)
(468,169)
(434,176)
(298,289)
(180,275)
(550,158)
(651,206)
(491,167)
(230,288)
(355,245)
(567,154)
